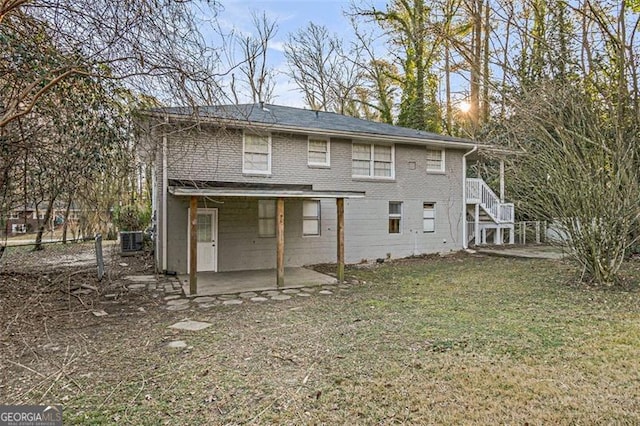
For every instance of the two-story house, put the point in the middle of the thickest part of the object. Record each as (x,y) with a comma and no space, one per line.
(262,186)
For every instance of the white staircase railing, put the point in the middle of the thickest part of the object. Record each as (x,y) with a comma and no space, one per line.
(478,192)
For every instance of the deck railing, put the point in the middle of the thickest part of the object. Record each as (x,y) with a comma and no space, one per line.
(478,192)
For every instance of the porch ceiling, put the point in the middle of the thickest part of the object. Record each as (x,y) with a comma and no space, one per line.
(270,191)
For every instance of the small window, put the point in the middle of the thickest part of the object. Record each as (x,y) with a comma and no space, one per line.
(18,228)
(374,161)
(435,160)
(266,218)
(41,215)
(429,217)
(256,154)
(310,217)
(318,152)
(14,215)
(395,217)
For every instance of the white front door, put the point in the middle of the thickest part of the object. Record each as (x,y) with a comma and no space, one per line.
(207,240)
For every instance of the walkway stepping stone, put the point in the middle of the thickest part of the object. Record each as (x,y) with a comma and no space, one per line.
(248,294)
(270,293)
(141,278)
(227,296)
(175,296)
(177,307)
(204,299)
(136,286)
(303,294)
(175,302)
(177,344)
(232,302)
(344,287)
(281,297)
(190,325)
(325,292)
(308,289)
(207,305)
(291,291)
(259,299)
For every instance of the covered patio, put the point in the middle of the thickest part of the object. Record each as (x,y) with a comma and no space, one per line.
(217,283)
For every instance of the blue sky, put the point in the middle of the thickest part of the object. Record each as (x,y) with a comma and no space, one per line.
(290,16)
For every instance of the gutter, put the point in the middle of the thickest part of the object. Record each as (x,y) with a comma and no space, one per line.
(165,192)
(465,243)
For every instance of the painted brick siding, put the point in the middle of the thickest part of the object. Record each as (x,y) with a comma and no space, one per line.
(217,155)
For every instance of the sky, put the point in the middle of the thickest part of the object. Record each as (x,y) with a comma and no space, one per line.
(290,15)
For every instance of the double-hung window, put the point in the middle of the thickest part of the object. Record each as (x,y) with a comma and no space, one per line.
(428,217)
(373,161)
(435,160)
(266,218)
(318,152)
(256,154)
(395,217)
(311,217)
(14,214)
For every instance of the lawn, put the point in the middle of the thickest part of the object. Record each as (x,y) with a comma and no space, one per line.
(456,340)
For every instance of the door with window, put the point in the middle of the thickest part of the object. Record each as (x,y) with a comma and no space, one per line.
(207,240)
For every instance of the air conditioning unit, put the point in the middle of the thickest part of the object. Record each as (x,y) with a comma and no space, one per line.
(130,241)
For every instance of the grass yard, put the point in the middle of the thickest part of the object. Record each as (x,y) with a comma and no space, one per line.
(457,340)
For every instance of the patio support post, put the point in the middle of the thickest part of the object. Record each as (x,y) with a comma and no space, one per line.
(340,248)
(476,230)
(280,242)
(193,245)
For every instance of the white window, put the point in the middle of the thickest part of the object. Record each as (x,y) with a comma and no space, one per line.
(429,217)
(41,215)
(256,154)
(311,217)
(318,152)
(266,218)
(14,214)
(375,161)
(395,217)
(435,160)
(18,228)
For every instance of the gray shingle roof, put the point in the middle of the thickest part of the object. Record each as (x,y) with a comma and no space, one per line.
(305,119)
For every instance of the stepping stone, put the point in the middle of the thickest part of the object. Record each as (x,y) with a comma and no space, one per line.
(344,287)
(175,296)
(191,325)
(141,278)
(176,302)
(308,289)
(325,292)
(206,305)
(259,299)
(100,313)
(328,287)
(177,344)
(204,299)
(137,286)
(270,293)
(232,302)
(291,291)
(227,296)
(303,294)
(177,307)
(123,264)
(281,297)
(248,294)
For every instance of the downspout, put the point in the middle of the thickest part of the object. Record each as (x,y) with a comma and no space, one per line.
(465,243)
(164,196)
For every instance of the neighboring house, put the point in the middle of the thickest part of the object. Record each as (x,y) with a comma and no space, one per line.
(348,190)
(26,219)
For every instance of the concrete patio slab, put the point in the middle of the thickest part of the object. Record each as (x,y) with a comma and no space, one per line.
(525,252)
(220,283)
(190,325)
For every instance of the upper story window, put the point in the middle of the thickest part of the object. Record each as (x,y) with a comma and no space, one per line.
(435,160)
(13,214)
(373,161)
(319,152)
(256,154)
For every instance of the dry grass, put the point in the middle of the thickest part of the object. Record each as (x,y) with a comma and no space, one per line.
(460,340)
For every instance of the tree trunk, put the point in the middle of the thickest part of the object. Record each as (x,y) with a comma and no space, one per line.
(43,224)
(66,221)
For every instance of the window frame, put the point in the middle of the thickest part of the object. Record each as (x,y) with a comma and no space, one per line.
(14,215)
(260,218)
(372,161)
(442,167)
(317,218)
(395,216)
(244,153)
(327,163)
(432,220)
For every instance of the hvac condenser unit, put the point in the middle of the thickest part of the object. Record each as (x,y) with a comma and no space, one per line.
(130,241)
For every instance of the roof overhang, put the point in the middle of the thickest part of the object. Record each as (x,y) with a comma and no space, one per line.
(247,191)
(274,127)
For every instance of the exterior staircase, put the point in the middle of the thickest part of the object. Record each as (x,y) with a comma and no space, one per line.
(487,216)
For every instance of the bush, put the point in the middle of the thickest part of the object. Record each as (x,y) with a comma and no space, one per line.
(132,217)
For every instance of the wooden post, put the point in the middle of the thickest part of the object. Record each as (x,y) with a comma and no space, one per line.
(193,246)
(501,180)
(537,232)
(280,242)
(476,230)
(340,238)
